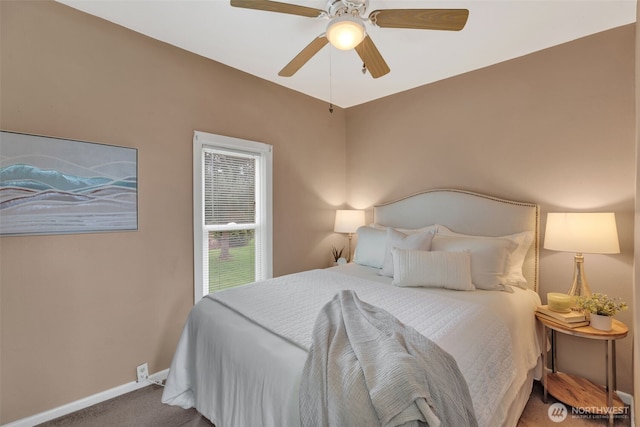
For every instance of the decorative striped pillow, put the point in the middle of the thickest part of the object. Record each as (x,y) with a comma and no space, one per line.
(437,269)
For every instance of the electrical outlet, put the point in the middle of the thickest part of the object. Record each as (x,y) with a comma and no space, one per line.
(143,372)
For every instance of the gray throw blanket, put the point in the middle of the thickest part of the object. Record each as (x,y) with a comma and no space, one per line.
(366,368)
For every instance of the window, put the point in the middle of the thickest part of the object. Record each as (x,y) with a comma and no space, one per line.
(232,212)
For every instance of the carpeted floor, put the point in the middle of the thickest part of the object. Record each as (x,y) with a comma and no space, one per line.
(142,408)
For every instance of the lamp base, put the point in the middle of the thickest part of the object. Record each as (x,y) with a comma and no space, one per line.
(579,285)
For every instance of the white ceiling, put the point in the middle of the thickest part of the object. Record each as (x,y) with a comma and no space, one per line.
(261,43)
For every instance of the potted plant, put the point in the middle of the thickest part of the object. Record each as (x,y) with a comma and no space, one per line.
(601,309)
(337,255)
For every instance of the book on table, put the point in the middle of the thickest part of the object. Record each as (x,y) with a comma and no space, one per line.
(573,324)
(568,317)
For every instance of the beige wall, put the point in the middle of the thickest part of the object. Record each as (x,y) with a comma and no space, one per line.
(556,127)
(80,312)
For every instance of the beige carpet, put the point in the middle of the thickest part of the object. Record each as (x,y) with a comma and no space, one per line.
(140,408)
(143,408)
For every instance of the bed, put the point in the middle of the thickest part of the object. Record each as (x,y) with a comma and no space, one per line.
(241,356)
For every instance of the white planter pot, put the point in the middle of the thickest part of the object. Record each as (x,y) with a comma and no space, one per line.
(600,322)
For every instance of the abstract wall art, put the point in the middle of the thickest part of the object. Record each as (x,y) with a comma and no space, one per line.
(52,186)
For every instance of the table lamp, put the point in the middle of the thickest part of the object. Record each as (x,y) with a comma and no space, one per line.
(348,221)
(581,232)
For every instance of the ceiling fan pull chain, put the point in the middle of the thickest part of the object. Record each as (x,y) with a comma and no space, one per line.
(330,83)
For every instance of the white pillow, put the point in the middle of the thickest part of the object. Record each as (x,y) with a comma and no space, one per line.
(489,258)
(396,239)
(433,228)
(523,240)
(449,270)
(370,247)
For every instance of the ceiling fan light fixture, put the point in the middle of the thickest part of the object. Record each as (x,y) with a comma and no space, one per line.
(345,32)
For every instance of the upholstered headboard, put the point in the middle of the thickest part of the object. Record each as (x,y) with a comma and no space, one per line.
(468,213)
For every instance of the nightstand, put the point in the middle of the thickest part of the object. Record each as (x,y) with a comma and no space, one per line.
(576,391)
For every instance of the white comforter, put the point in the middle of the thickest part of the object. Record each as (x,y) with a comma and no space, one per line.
(490,334)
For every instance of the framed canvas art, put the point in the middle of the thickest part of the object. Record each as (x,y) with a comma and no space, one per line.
(52,185)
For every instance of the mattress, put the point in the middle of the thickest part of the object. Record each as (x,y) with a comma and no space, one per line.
(240,368)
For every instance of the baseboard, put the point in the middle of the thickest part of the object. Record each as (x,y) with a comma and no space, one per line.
(627,399)
(86,402)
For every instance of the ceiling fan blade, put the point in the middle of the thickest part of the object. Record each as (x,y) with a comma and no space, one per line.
(305,55)
(372,59)
(273,6)
(422,19)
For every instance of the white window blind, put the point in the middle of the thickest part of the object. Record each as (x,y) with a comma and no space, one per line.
(232,212)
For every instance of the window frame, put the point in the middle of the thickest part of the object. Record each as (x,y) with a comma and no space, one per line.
(264,200)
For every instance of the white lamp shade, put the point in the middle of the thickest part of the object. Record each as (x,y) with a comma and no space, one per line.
(348,221)
(582,232)
(345,32)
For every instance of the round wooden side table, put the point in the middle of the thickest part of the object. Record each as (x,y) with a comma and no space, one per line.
(576,391)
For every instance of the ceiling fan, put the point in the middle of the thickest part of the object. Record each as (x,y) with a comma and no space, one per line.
(346,28)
